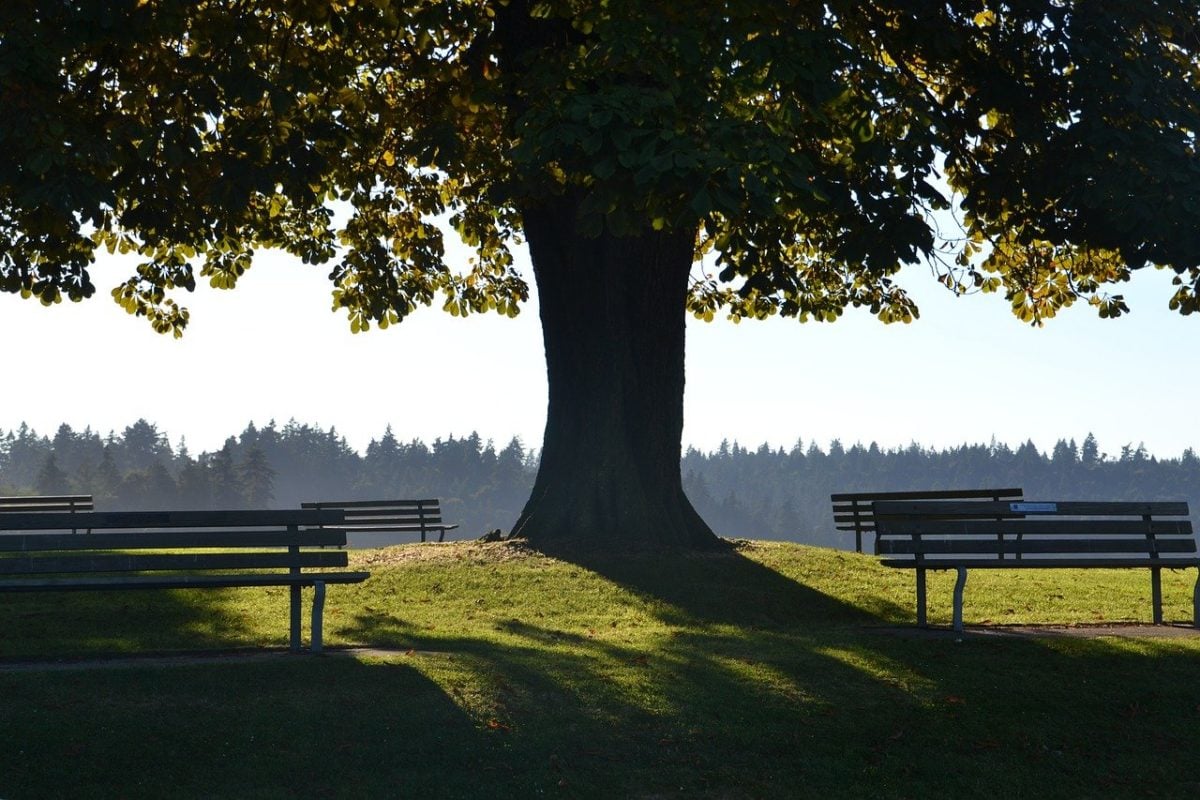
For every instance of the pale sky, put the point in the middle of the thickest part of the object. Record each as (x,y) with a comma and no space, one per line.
(967,371)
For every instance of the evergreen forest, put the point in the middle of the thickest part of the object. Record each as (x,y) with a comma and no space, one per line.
(764,493)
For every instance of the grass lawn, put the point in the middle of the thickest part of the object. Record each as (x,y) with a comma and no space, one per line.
(776,671)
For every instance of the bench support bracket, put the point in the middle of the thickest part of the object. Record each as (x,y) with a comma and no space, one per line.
(960,583)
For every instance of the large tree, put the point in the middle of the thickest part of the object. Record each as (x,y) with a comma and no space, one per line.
(1041,149)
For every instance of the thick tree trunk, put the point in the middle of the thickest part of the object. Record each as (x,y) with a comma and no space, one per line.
(613,324)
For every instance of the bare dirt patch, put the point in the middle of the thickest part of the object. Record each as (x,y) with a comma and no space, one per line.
(478,552)
(445,553)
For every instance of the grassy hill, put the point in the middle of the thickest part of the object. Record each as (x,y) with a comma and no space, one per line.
(776,671)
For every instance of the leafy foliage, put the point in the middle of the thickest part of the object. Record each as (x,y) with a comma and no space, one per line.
(814,148)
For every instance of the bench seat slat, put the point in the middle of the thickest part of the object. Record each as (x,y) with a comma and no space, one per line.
(1036,526)
(1042,563)
(107,582)
(367,519)
(1033,546)
(355,523)
(384,528)
(124,562)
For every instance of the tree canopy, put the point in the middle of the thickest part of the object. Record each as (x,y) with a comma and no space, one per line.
(809,144)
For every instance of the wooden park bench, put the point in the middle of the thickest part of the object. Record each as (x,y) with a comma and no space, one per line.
(47,503)
(177,550)
(967,535)
(852,511)
(389,516)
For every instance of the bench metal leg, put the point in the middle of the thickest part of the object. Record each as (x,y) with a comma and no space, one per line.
(1156,593)
(921,621)
(1196,604)
(295,619)
(318,615)
(959,584)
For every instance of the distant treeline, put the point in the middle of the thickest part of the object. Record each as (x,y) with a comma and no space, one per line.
(270,467)
(766,493)
(784,494)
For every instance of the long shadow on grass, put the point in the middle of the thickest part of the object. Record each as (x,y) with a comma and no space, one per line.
(834,712)
(296,727)
(721,587)
(759,686)
(52,624)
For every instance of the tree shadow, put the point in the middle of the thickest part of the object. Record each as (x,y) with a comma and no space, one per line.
(725,587)
(55,624)
(732,711)
(762,685)
(311,727)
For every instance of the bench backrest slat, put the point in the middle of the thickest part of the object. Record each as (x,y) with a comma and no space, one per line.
(96,520)
(388,516)
(930,494)
(46,503)
(392,512)
(1070,508)
(145,562)
(385,505)
(166,540)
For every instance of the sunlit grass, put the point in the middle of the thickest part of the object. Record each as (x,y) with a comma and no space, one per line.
(778,671)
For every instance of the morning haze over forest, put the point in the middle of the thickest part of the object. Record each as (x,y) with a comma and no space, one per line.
(759,492)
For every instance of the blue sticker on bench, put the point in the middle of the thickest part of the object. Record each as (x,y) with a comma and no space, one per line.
(1033,508)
